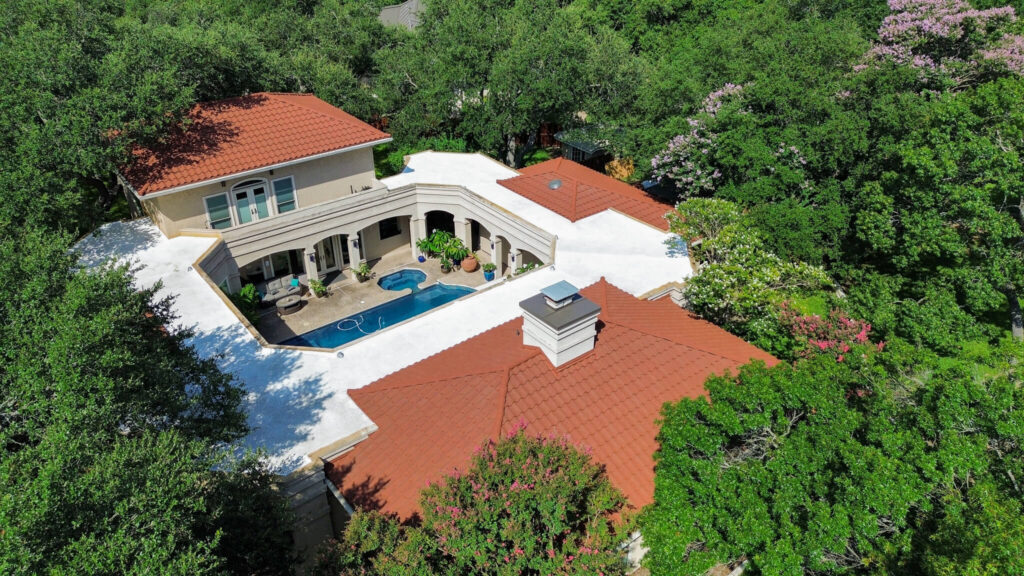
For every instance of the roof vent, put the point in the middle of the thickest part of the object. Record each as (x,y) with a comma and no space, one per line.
(555,184)
(561,322)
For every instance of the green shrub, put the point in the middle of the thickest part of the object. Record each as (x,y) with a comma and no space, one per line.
(318,288)
(247,300)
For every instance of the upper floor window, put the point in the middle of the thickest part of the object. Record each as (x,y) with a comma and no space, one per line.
(218,211)
(284,194)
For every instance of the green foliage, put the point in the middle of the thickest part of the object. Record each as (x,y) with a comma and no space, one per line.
(524,268)
(740,284)
(112,428)
(318,288)
(882,463)
(363,271)
(490,267)
(390,159)
(247,300)
(526,505)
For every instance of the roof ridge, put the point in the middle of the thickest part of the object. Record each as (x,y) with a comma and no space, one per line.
(313,110)
(503,402)
(677,343)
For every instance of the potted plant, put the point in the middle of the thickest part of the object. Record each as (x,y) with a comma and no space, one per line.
(363,272)
(489,269)
(455,251)
(425,247)
(446,264)
(469,263)
(318,288)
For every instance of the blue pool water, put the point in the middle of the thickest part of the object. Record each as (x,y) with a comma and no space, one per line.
(402,280)
(387,314)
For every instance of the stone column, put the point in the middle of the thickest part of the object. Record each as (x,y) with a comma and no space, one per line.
(355,254)
(417,232)
(312,272)
(496,255)
(515,258)
(463,232)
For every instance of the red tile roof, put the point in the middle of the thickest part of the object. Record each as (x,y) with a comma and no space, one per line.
(236,135)
(433,414)
(584,192)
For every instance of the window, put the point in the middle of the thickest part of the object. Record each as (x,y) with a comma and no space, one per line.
(284,195)
(389,227)
(218,211)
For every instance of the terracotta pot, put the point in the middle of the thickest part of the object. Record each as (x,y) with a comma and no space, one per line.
(469,264)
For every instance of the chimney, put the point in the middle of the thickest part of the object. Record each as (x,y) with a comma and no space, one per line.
(561,322)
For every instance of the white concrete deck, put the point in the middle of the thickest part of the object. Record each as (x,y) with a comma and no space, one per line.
(297,400)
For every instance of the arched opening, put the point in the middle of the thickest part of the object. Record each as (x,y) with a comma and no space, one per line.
(387,239)
(440,220)
(271,266)
(480,239)
(528,259)
(502,249)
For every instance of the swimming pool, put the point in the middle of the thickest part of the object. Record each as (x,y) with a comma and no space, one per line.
(379,317)
(402,280)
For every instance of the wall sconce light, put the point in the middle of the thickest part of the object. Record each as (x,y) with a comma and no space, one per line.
(513,256)
(271,172)
(312,257)
(223,184)
(492,245)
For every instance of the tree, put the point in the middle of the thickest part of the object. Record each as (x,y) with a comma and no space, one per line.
(113,432)
(891,462)
(526,505)
(492,72)
(740,284)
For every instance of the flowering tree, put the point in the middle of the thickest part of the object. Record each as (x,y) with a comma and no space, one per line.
(526,505)
(835,334)
(688,160)
(740,284)
(948,38)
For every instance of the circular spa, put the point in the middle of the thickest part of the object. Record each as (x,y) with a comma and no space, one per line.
(402,280)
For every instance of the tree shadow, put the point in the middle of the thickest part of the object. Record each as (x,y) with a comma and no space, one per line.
(117,241)
(676,247)
(203,133)
(282,406)
(364,494)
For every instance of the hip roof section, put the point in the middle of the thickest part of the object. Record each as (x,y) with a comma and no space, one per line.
(435,413)
(576,192)
(238,135)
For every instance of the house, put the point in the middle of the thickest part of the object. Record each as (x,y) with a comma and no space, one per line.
(286,182)
(270,186)
(407,14)
(594,366)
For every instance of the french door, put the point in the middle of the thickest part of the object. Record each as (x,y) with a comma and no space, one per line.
(251,203)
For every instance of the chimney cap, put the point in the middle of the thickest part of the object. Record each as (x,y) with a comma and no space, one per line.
(559,318)
(559,291)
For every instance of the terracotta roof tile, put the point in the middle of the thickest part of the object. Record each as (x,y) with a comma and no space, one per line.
(433,414)
(584,192)
(236,135)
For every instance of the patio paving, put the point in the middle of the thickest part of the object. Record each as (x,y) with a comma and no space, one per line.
(348,296)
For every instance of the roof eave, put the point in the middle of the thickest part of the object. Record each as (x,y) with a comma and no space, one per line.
(253,171)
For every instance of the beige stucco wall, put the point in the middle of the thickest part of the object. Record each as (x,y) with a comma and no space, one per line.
(374,247)
(316,182)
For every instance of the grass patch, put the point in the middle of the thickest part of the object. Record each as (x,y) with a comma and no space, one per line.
(814,304)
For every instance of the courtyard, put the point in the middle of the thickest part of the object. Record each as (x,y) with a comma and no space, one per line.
(347,296)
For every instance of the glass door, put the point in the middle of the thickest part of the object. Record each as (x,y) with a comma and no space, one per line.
(327,255)
(251,204)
